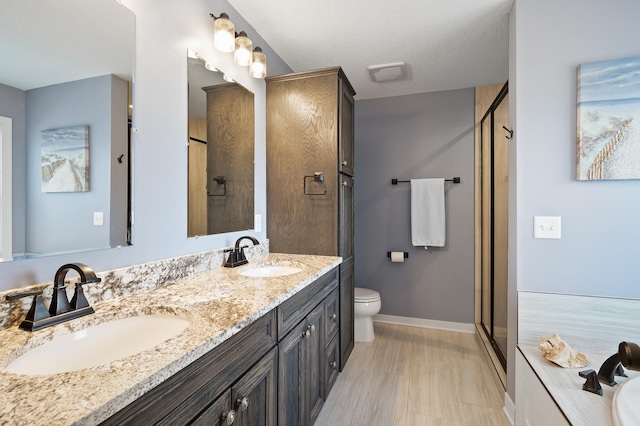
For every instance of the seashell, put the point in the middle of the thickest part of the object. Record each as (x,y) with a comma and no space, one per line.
(558,351)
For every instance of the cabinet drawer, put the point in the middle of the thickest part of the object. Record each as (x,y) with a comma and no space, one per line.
(298,306)
(331,315)
(181,397)
(332,365)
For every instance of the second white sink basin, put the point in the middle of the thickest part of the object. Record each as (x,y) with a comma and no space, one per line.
(270,271)
(98,344)
(625,410)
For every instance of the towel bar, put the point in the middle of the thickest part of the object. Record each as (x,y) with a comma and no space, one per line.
(454,180)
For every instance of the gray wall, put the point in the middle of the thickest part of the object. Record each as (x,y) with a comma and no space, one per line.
(13,105)
(164,32)
(600,246)
(63,221)
(417,136)
(599,250)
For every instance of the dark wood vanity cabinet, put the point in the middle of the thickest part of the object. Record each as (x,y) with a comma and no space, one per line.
(278,370)
(242,367)
(306,364)
(310,131)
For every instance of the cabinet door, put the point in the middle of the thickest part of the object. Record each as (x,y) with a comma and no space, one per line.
(301,371)
(302,132)
(331,315)
(219,413)
(254,395)
(314,363)
(346,311)
(346,228)
(291,369)
(332,365)
(346,111)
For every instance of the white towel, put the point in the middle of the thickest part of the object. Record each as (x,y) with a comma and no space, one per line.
(427,212)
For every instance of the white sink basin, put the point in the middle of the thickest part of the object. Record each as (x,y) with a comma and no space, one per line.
(270,271)
(625,410)
(98,345)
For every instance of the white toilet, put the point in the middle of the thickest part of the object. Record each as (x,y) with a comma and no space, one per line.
(367,304)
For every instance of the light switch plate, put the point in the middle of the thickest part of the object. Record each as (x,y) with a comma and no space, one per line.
(547,227)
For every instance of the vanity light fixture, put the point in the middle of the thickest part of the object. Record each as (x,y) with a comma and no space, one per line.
(258,67)
(224,33)
(225,39)
(242,54)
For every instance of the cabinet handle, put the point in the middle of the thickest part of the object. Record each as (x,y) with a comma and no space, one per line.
(229,417)
(333,364)
(333,316)
(243,403)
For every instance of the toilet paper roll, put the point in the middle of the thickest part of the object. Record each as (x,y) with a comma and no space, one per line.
(397,256)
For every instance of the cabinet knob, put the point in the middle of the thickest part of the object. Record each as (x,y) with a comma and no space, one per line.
(311,328)
(333,316)
(344,162)
(333,364)
(306,334)
(229,417)
(243,403)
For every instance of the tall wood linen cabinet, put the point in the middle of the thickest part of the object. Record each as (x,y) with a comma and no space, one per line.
(310,175)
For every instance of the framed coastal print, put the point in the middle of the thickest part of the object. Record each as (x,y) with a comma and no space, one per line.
(65,159)
(608,137)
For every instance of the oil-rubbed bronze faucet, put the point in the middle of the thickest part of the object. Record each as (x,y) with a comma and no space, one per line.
(60,310)
(236,255)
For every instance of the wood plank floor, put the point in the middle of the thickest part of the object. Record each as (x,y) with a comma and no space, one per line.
(412,376)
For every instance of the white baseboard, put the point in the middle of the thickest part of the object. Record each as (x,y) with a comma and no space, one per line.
(426,323)
(509,409)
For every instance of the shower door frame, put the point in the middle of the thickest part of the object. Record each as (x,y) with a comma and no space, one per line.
(490,329)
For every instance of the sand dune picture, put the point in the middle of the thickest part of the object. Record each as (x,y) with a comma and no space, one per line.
(608,140)
(65,159)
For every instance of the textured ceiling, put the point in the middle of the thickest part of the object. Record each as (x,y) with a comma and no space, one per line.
(51,42)
(447,44)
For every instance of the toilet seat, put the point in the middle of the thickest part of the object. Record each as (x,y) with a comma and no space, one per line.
(365,295)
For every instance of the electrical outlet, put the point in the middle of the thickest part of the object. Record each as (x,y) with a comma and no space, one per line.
(257,223)
(547,227)
(98,218)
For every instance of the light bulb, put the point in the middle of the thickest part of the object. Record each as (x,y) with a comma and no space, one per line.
(259,65)
(242,54)
(224,33)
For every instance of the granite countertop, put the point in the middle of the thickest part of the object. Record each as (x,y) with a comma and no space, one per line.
(565,387)
(219,303)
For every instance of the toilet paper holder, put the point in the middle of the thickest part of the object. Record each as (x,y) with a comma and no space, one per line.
(406,255)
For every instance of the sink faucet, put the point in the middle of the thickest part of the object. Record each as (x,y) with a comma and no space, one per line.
(628,355)
(236,255)
(60,310)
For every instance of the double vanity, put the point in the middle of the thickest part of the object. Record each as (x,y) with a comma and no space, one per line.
(256,344)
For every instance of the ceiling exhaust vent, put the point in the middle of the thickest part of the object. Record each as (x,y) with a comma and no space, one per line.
(388,72)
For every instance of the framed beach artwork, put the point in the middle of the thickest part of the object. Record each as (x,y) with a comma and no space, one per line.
(608,139)
(65,159)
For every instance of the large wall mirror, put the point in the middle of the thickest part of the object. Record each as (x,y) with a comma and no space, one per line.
(65,85)
(221,152)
